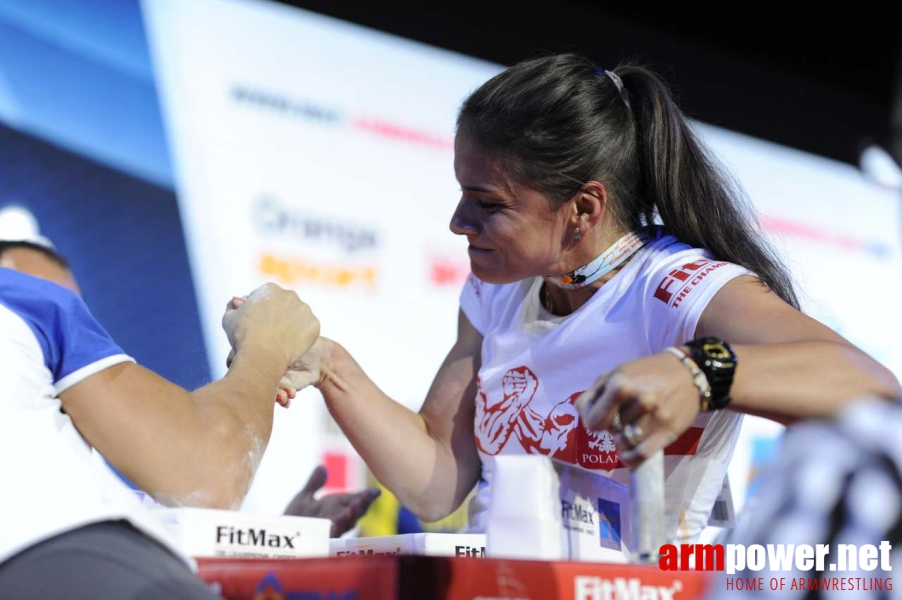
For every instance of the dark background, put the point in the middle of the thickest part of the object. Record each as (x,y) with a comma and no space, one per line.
(815,78)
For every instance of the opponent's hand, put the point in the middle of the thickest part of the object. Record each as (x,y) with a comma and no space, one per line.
(646,404)
(343,510)
(286,392)
(272,318)
(309,369)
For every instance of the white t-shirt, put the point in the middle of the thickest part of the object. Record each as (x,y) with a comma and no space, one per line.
(51,483)
(535,365)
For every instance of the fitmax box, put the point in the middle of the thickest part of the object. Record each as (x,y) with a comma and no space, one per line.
(210,533)
(541,508)
(421,544)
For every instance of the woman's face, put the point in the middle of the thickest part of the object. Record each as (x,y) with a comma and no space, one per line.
(513,230)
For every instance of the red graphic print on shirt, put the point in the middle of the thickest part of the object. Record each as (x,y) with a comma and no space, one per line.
(560,434)
(496,418)
(596,450)
(555,434)
(679,283)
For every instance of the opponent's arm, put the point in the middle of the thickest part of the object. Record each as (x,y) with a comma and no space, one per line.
(200,448)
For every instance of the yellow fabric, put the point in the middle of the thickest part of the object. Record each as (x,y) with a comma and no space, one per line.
(382,517)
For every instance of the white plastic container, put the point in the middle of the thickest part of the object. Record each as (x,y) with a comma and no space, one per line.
(544,509)
(421,544)
(209,533)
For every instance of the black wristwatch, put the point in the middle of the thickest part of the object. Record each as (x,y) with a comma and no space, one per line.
(718,362)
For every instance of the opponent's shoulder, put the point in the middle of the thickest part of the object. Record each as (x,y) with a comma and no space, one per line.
(70,337)
(39,303)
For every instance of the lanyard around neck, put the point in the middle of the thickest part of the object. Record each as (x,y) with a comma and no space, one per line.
(604,263)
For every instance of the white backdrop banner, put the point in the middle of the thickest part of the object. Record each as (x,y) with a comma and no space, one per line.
(318,155)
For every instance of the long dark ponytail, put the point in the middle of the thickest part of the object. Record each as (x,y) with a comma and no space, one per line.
(558,122)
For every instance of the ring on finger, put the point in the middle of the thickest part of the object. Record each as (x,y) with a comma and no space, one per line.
(633,434)
(616,423)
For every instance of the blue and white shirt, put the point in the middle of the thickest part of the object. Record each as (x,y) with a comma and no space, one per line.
(51,483)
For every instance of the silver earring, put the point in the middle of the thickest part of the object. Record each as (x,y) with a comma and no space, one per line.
(576,236)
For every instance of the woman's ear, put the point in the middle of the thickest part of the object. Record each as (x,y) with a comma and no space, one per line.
(590,203)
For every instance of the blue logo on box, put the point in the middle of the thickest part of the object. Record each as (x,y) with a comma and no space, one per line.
(270,588)
(609,524)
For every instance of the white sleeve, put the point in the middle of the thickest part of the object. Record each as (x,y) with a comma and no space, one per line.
(677,292)
(472,302)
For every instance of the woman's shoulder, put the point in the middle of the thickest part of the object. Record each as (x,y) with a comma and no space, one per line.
(665,252)
(667,263)
(675,275)
(493,293)
(486,304)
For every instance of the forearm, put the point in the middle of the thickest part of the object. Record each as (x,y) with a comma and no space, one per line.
(233,419)
(395,442)
(195,449)
(812,379)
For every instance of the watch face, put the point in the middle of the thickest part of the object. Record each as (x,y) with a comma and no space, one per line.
(717,361)
(717,351)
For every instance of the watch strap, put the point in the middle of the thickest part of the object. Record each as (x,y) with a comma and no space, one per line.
(718,362)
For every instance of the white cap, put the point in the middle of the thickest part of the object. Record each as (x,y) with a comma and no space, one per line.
(17,224)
